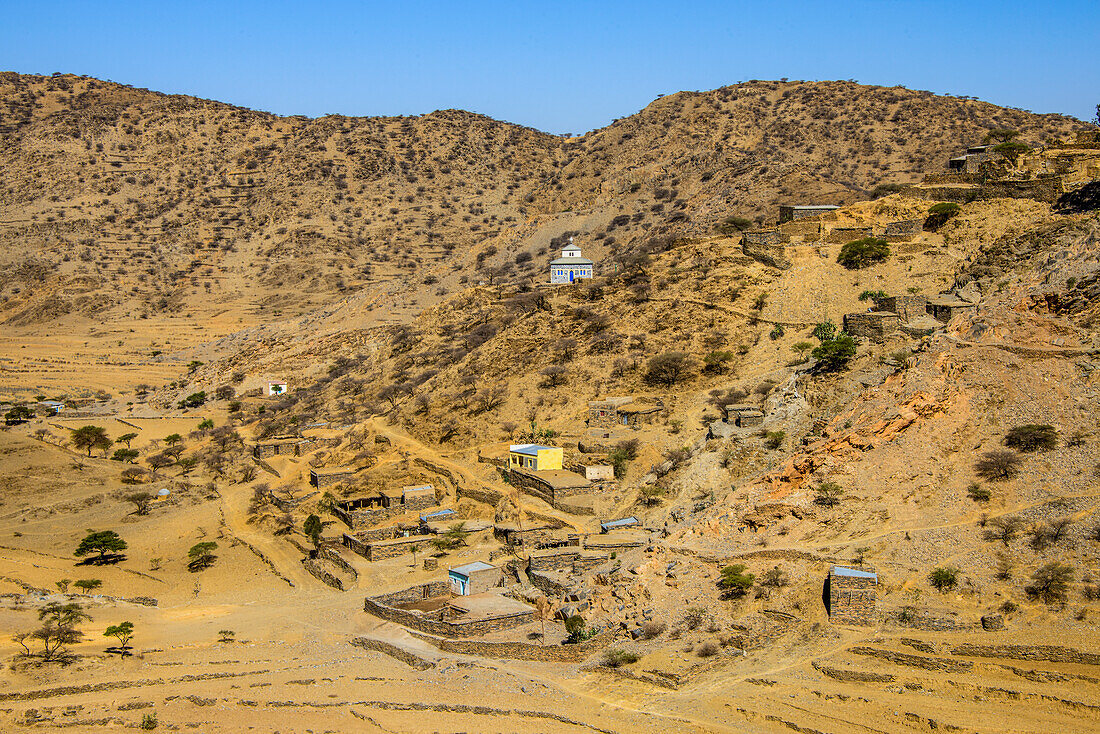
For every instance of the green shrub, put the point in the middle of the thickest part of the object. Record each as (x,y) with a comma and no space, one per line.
(978,493)
(944,578)
(618,658)
(833,355)
(735,581)
(732,225)
(861,253)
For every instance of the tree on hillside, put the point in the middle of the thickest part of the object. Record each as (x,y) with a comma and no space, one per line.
(18,414)
(59,629)
(201,555)
(91,437)
(668,369)
(553,376)
(86,585)
(103,542)
(735,582)
(1032,437)
(833,355)
(126,455)
(123,632)
(863,252)
(172,439)
(1050,582)
(126,438)
(828,494)
(1004,529)
(313,527)
(141,502)
(998,464)
(159,461)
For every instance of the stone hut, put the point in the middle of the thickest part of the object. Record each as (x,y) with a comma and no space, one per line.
(873,325)
(474,578)
(416,499)
(628,411)
(844,235)
(907,307)
(766,246)
(324,478)
(277,447)
(852,594)
(792,212)
(554,485)
(744,416)
(946,307)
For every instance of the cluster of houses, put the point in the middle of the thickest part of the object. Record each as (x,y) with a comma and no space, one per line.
(913,314)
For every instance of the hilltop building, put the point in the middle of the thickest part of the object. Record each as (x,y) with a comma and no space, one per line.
(570,266)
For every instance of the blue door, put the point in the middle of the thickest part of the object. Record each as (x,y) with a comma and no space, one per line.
(570,276)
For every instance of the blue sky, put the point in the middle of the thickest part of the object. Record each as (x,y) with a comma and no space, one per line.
(562,66)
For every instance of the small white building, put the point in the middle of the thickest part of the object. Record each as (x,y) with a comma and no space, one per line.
(570,266)
(276,387)
(473,578)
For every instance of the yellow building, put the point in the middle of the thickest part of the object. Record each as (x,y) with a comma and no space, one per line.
(533,457)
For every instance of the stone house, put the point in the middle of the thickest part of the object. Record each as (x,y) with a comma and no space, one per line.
(324,478)
(945,307)
(377,550)
(571,266)
(907,307)
(852,594)
(534,457)
(276,447)
(552,485)
(51,407)
(628,411)
(474,578)
(744,416)
(792,212)
(873,325)
(382,505)
(905,229)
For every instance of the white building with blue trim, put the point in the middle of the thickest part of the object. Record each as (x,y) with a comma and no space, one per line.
(570,266)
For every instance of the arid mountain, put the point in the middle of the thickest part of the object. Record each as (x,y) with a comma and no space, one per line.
(125,202)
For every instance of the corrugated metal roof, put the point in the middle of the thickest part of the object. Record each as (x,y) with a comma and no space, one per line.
(620,522)
(529,449)
(855,572)
(437,513)
(470,568)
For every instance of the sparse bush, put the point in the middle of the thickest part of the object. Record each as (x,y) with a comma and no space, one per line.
(707,649)
(1004,529)
(939,214)
(828,494)
(998,464)
(694,617)
(1050,582)
(833,354)
(978,493)
(618,658)
(652,628)
(149,721)
(774,439)
(735,581)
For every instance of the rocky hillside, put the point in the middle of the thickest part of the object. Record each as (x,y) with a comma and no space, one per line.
(162,205)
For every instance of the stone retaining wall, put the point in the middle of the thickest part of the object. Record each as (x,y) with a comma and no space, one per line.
(318,572)
(393,651)
(523,650)
(1047,653)
(766,247)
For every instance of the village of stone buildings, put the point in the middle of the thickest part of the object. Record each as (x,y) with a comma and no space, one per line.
(530,554)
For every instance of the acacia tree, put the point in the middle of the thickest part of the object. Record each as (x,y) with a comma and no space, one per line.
(123,632)
(91,437)
(59,622)
(126,438)
(86,585)
(668,369)
(141,502)
(201,555)
(103,542)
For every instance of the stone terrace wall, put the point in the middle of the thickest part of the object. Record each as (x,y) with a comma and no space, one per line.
(321,574)
(766,247)
(524,651)
(844,235)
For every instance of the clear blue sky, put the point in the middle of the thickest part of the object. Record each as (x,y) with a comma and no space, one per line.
(561,66)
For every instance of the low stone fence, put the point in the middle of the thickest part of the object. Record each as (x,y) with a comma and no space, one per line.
(393,651)
(287,504)
(318,572)
(766,247)
(337,560)
(524,650)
